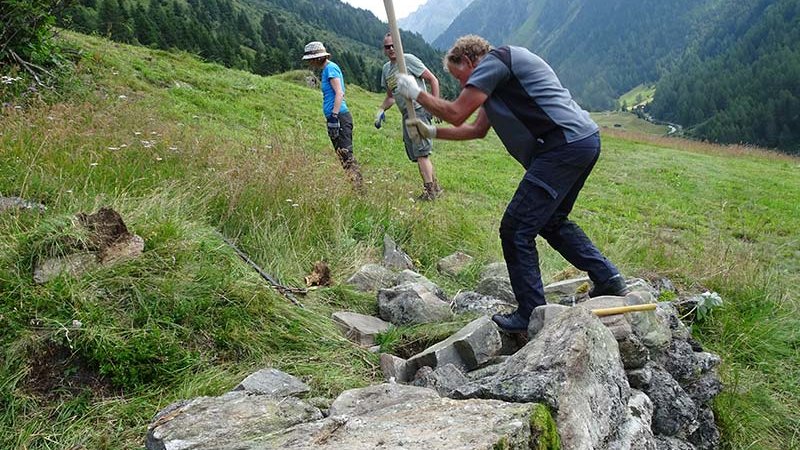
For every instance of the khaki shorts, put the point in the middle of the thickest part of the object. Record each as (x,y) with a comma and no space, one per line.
(416,149)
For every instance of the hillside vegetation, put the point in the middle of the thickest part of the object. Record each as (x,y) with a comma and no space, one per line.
(726,71)
(189,152)
(740,83)
(261,36)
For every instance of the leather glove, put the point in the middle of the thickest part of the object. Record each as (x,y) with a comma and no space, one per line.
(419,130)
(333,126)
(407,86)
(380,117)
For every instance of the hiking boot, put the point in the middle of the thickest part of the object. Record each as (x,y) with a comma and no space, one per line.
(436,188)
(428,193)
(354,173)
(613,286)
(511,323)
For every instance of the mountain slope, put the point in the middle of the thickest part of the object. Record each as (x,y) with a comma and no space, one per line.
(740,83)
(725,70)
(261,36)
(599,49)
(433,17)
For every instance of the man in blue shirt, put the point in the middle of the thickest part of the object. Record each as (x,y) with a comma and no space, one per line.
(334,108)
(556,142)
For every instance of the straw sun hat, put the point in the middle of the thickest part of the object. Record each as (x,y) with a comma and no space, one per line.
(314,50)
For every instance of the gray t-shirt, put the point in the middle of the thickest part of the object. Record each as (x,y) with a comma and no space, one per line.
(414,66)
(527,106)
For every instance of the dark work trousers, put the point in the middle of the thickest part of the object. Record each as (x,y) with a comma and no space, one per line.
(343,144)
(540,206)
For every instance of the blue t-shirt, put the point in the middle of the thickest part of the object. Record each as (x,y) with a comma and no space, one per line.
(331,70)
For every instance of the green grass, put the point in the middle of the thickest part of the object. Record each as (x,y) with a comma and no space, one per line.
(186,151)
(627,122)
(640,95)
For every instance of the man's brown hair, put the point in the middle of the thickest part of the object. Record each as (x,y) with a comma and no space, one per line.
(471,46)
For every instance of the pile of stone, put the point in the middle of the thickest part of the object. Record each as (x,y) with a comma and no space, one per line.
(576,381)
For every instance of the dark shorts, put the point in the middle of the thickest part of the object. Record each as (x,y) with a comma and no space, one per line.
(415,150)
(345,139)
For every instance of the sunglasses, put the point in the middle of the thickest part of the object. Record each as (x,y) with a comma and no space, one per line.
(387,47)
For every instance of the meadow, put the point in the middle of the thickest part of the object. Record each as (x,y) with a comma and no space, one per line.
(189,152)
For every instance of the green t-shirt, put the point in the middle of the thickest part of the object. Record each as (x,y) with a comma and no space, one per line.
(414,66)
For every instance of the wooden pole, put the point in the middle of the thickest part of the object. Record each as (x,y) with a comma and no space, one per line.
(623,309)
(398,49)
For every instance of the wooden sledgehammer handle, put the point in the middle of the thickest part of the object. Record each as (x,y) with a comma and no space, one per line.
(398,48)
(623,309)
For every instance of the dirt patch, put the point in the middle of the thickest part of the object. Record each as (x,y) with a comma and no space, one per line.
(320,275)
(105,228)
(57,371)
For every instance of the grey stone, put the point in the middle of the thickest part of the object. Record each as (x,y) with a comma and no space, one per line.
(674,411)
(393,257)
(497,287)
(395,368)
(667,312)
(360,328)
(409,304)
(640,378)
(572,365)
(397,416)
(489,369)
(454,264)
(558,291)
(704,389)
(678,359)
(635,432)
(707,436)
(443,380)
(672,443)
(273,383)
(634,354)
(469,348)
(495,270)
(8,203)
(372,277)
(473,302)
(650,327)
(126,248)
(618,323)
(543,315)
(410,277)
(73,265)
(226,421)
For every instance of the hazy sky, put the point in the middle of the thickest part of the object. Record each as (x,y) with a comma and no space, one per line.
(402,8)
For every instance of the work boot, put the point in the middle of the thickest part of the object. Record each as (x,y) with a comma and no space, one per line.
(437,189)
(428,193)
(511,323)
(613,286)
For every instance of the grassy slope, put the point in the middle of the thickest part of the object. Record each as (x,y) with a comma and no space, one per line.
(207,148)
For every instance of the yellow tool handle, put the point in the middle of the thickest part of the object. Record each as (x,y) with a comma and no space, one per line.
(623,309)
(398,48)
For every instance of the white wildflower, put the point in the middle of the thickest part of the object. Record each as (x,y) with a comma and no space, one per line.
(9,80)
